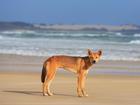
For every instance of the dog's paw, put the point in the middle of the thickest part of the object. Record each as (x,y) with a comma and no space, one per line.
(86,95)
(44,94)
(80,95)
(50,94)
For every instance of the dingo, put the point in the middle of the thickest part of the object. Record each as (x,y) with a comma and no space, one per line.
(78,65)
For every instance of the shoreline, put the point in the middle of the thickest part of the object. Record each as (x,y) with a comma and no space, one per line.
(19,63)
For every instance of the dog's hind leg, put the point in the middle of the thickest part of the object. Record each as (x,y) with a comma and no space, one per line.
(49,81)
(44,87)
(50,77)
(43,78)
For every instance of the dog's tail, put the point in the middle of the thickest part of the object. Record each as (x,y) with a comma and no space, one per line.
(44,73)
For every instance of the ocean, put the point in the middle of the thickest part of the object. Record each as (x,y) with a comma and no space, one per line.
(115,45)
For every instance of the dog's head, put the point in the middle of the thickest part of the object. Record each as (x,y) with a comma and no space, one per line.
(94,56)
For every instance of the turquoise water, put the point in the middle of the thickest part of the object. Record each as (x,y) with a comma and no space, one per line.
(115,45)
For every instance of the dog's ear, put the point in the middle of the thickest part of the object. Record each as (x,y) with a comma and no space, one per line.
(100,52)
(89,52)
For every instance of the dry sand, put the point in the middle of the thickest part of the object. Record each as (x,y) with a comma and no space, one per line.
(19,87)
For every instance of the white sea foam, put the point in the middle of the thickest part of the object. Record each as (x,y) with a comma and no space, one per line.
(135,42)
(121,58)
(47,43)
(119,34)
(18,32)
(58,34)
(22,52)
(98,35)
(1,37)
(136,35)
(49,52)
(11,32)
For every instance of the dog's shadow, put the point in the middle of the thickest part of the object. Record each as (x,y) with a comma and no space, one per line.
(35,93)
(24,92)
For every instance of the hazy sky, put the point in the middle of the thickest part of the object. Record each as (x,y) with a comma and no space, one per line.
(71,11)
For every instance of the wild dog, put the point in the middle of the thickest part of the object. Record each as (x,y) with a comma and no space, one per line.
(78,65)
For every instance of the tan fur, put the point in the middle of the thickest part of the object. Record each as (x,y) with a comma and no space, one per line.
(78,65)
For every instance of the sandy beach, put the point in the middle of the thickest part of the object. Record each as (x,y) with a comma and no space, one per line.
(110,83)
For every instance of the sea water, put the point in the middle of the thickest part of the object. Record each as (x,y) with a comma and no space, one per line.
(115,45)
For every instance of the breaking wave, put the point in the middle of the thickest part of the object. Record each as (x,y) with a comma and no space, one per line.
(135,42)
(116,46)
(46,34)
(136,35)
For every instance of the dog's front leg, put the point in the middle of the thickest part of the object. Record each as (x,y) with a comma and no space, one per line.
(81,83)
(84,74)
(79,88)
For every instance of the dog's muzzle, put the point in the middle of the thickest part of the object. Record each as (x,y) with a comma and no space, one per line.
(94,62)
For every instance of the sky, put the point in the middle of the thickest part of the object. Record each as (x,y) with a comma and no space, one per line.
(114,12)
